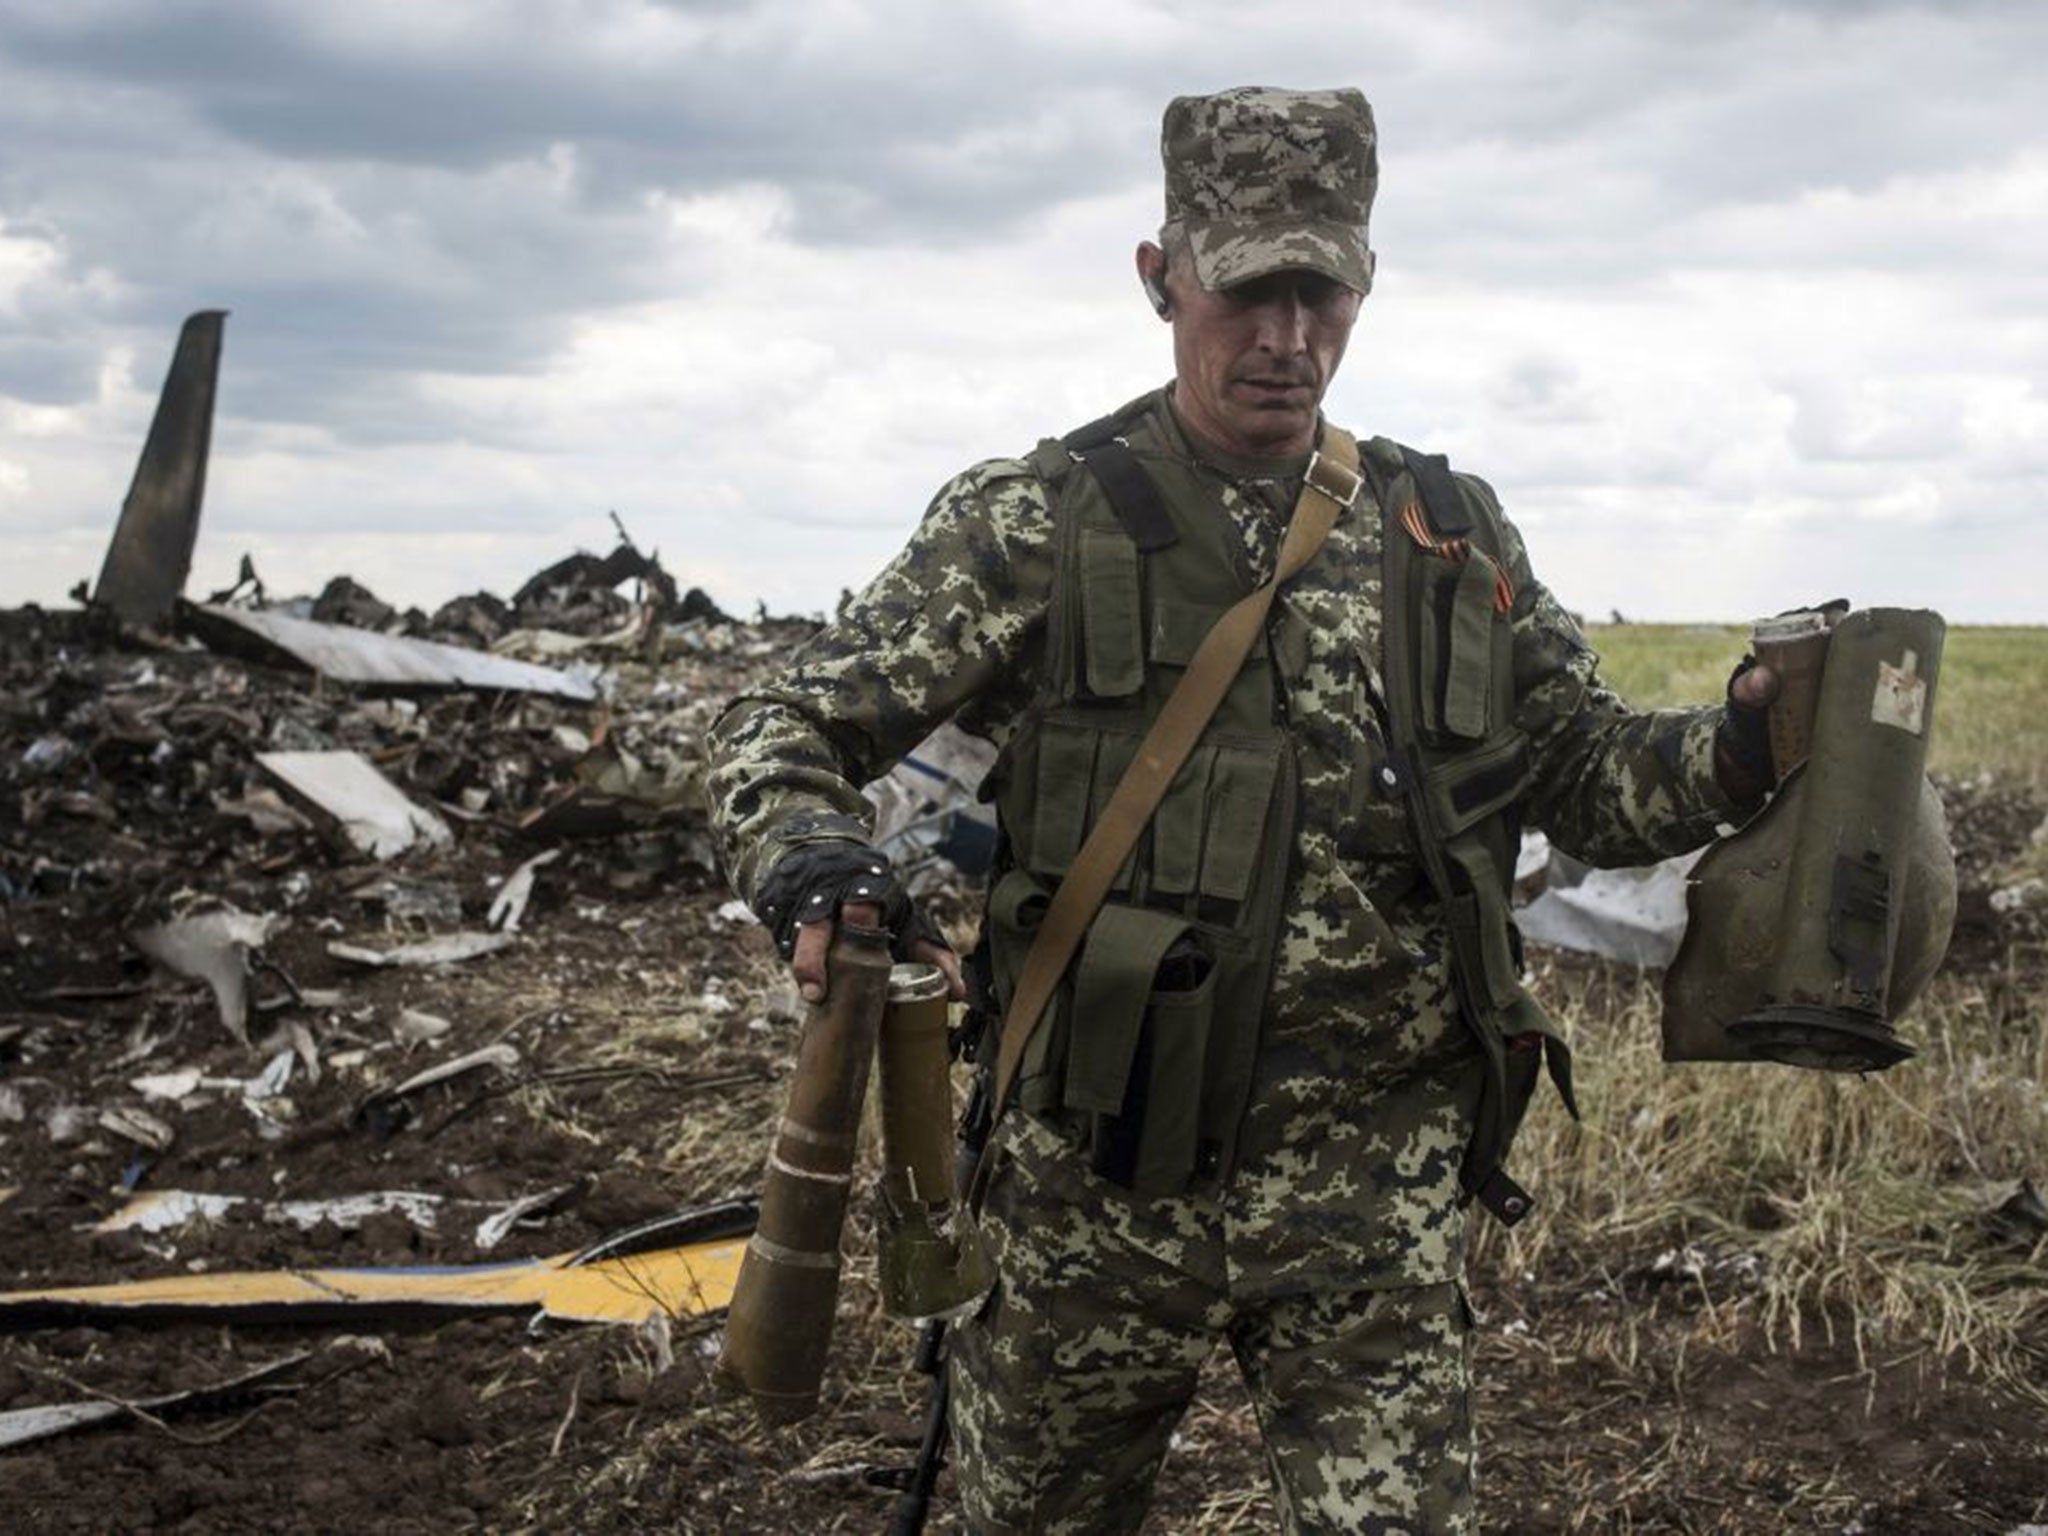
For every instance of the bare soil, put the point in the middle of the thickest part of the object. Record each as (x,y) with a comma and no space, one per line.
(653,1035)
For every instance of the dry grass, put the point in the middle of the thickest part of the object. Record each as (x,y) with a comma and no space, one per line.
(1804,1199)
(1851,1204)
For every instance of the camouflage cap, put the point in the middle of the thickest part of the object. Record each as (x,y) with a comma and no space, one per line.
(1264,180)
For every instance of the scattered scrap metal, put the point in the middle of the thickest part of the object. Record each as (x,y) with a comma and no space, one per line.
(198,799)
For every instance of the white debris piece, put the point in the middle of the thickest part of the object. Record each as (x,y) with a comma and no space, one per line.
(412,1027)
(66,1123)
(46,754)
(368,810)
(176,1086)
(500,1055)
(18,1426)
(138,1126)
(169,1209)
(446,950)
(170,1086)
(272,1080)
(1633,915)
(265,810)
(214,948)
(359,656)
(658,1338)
(508,907)
(733,914)
(496,1227)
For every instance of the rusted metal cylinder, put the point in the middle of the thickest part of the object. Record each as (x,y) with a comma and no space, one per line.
(779,1327)
(1795,647)
(916,1091)
(930,1262)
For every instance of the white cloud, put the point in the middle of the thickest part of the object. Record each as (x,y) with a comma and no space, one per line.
(25,262)
(1721,297)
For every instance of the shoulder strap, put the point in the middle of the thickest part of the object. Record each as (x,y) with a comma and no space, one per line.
(1440,520)
(1331,487)
(1439,492)
(1135,499)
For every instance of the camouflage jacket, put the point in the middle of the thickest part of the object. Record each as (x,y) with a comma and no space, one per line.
(1350,1149)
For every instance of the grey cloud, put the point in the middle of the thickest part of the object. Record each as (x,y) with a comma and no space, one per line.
(46,370)
(374,208)
(734,105)
(1829,427)
(343,278)
(1545,389)
(1639,120)
(368,211)
(1681,94)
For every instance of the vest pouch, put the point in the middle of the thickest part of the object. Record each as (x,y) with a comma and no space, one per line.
(1240,788)
(1178,629)
(1177,828)
(1144,993)
(1112,761)
(1466,647)
(1433,586)
(1065,773)
(1112,616)
(1152,1146)
(1015,909)
(1468,674)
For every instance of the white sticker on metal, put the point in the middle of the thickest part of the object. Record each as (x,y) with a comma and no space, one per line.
(1901,696)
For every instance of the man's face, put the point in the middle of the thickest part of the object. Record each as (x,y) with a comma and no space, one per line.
(1251,361)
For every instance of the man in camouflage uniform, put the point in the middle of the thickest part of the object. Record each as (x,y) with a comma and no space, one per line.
(1323,1234)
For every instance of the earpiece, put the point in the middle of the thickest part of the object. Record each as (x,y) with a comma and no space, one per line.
(1156,292)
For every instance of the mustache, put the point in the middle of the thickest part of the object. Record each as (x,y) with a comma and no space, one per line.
(1302,377)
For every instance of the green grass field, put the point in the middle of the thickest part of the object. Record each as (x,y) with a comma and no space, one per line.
(1991,709)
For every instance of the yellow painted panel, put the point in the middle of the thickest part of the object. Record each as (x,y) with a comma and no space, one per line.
(683,1282)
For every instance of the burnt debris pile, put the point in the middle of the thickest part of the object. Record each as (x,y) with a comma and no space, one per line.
(132,767)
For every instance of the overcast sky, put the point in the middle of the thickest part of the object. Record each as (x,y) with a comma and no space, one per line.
(1738,305)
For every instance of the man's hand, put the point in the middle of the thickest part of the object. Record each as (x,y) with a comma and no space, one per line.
(814,942)
(1752,750)
(817,884)
(1742,747)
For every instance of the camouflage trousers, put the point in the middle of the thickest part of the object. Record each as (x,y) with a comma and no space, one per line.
(1068,1385)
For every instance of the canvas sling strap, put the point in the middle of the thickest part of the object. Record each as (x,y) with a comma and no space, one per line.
(1329,488)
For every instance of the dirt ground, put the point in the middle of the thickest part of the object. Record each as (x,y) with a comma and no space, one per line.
(652,1033)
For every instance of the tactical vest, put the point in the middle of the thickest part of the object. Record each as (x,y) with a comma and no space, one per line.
(1461,766)
(1146,1052)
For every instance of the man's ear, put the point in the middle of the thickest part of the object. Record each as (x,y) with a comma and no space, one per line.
(1151,262)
